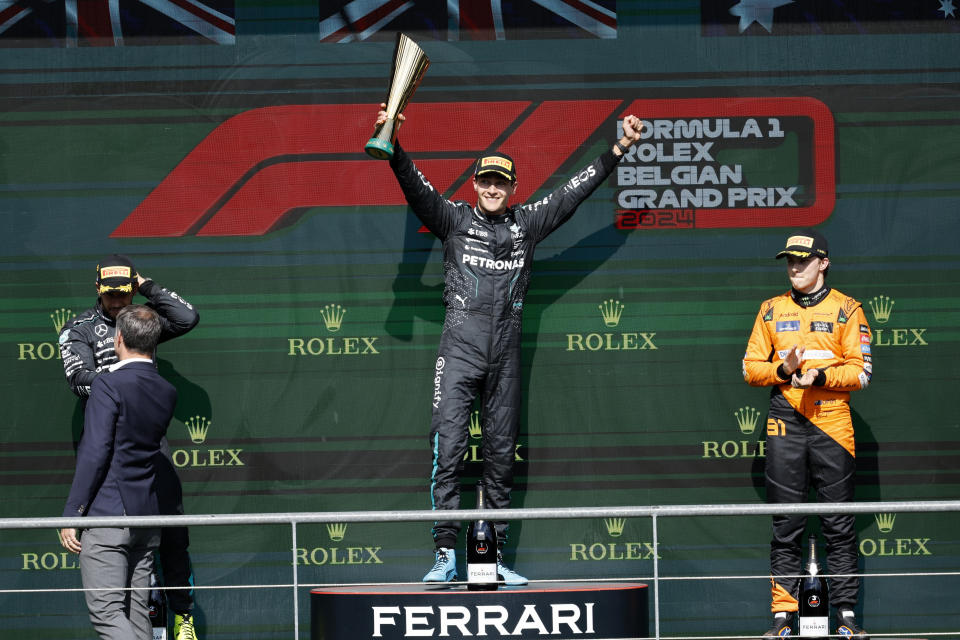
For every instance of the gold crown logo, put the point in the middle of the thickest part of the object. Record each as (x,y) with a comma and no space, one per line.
(885,521)
(611,310)
(476,430)
(332,315)
(615,526)
(197,427)
(747,418)
(882,307)
(337,530)
(60,317)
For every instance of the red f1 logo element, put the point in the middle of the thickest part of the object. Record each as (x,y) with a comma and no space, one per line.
(258,166)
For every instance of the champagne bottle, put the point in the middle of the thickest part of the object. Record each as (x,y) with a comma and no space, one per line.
(157,604)
(814,600)
(481,551)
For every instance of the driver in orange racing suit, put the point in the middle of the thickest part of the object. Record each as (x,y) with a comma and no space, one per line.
(811,345)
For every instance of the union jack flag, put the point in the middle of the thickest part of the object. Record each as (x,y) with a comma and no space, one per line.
(352,20)
(72,23)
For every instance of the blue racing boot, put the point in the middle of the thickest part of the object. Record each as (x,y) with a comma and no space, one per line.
(445,569)
(507,576)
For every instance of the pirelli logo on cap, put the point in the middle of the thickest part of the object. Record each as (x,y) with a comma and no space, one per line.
(802,241)
(114,272)
(495,161)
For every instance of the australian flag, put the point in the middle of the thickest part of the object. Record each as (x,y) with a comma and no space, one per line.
(453,20)
(828,17)
(72,23)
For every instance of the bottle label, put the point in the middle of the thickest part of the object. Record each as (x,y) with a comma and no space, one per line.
(485,573)
(814,627)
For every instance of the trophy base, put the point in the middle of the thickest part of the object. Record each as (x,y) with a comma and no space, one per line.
(379,149)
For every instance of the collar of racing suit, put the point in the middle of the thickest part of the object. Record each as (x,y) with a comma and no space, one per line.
(809,299)
(103,314)
(500,218)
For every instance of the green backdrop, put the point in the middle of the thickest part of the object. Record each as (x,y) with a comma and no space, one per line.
(235,175)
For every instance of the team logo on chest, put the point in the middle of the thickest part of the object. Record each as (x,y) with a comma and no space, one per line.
(517,234)
(788,325)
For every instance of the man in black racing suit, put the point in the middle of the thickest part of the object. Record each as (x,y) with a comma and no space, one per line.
(487,257)
(87,350)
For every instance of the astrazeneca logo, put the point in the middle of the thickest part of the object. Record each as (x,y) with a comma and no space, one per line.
(882,308)
(616,550)
(610,312)
(475,428)
(337,555)
(45,350)
(885,546)
(198,427)
(747,419)
(332,316)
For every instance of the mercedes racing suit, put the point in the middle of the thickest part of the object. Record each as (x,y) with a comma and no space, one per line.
(86,342)
(486,263)
(810,439)
(87,349)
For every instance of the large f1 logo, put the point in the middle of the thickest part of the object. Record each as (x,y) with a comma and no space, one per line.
(259,166)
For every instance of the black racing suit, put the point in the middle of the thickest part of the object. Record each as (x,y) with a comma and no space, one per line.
(486,263)
(87,349)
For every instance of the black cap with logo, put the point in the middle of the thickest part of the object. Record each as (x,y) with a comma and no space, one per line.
(116,273)
(805,243)
(499,163)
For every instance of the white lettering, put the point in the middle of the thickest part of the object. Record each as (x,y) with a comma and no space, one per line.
(565,614)
(380,618)
(488,263)
(454,616)
(417,621)
(529,620)
(491,616)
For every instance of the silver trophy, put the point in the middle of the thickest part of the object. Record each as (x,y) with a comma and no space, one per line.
(409,65)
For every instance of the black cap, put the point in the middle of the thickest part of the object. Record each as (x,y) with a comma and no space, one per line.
(116,273)
(805,243)
(499,163)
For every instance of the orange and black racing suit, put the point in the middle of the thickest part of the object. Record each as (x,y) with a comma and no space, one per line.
(810,438)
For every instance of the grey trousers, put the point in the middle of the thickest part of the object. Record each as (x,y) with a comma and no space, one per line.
(111,562)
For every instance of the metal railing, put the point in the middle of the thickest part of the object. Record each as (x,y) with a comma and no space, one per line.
(652,512)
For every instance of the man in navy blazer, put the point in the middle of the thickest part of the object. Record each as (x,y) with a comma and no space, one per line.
(122,471)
